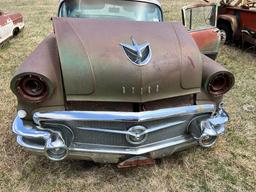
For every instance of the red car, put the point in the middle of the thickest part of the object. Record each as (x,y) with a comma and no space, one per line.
(238,24)
(10,25)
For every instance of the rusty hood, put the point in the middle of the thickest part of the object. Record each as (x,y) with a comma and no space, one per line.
(96,67)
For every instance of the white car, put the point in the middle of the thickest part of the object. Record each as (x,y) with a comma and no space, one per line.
(10,25)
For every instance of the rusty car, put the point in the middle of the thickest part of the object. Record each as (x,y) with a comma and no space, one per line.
(10,25)
(237,21)
(115,83)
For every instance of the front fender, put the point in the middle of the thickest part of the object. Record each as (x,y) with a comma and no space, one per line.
(230,19)
(44,61)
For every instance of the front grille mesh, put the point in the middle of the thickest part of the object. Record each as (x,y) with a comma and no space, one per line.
(113,139)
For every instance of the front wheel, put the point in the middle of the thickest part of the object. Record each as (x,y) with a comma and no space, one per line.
(223,36)
(15,31)
(226,33)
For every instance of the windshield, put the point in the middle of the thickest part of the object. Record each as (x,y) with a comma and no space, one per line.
(113,9)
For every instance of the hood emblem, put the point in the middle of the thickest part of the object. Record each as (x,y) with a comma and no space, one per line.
(138,54)
(137,135)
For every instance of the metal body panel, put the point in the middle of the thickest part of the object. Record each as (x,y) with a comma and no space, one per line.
(44,61)
(108,75)
(207,40)
(127,109)
(231,19)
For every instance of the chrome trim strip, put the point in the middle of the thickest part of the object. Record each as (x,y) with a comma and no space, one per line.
(93,148)
(34,147)
(154,129)
(122,116)
(154,2)
(29,132)
(102,157)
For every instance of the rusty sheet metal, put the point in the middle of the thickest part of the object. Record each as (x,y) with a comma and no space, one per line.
(199,5)
(99,106)
(247,38)
(168,103)
(231,19)
(95,67)
(207,40)
(210,69)
(242,18)
(248,19)
(44,61)
(130,107)
(238,3)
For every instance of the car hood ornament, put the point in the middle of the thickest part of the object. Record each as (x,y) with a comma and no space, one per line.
(138,54)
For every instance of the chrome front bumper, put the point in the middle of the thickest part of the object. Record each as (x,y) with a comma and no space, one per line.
(154,134)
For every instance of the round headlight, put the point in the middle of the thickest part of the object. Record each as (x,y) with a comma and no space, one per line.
(220,84)
(32,88)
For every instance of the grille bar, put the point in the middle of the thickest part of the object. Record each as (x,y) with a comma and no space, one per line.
(154,129)
(122,116)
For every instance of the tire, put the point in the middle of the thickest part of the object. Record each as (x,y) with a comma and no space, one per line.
(226,31)
(15,32)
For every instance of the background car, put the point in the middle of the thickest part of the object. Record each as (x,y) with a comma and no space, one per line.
(237,22)
(10,25)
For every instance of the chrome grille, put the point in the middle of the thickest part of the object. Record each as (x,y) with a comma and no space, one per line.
(83,131)
(111,128)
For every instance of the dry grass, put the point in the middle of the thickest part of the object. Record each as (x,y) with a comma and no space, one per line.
(230,166)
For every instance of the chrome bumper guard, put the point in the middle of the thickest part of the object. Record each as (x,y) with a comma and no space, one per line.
(205,125)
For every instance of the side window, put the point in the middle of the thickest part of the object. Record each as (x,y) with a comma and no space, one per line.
(199,17)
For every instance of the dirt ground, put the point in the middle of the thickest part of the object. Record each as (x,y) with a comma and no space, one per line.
(230,166)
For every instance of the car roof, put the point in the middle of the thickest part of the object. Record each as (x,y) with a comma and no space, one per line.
(156,2)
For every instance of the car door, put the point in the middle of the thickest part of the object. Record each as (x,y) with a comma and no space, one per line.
(201,22)
(6,28)
(2,24)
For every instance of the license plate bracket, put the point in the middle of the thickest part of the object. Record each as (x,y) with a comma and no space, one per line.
(136,162)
